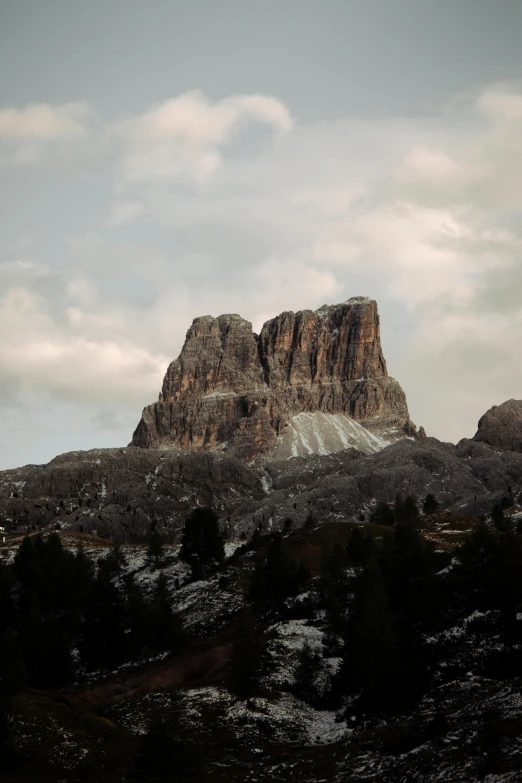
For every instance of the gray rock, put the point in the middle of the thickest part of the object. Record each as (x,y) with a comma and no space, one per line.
(501,426)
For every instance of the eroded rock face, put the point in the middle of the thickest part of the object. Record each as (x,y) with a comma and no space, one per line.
(501,426)
(128,493)
(125,493)
(232,389)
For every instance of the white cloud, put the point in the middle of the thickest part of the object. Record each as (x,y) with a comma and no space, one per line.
(27,133)
(501,102)
(44,121)
(125,212)
(81,356)
(424,215)
(182,138)
(428,164)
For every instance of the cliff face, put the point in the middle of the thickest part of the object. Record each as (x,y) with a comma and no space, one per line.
(232,389)
(338,343)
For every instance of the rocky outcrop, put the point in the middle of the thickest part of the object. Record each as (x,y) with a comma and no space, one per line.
(124,493)
(235,390)
(127,493)
(501,426)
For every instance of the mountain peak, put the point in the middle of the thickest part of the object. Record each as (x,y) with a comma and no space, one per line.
(233,389)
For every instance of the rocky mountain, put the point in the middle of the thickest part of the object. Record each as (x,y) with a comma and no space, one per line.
(311,397)
(501,426)
(126,493)
(328,643)
(246,394)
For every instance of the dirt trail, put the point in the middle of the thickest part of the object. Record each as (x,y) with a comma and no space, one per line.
(197,668)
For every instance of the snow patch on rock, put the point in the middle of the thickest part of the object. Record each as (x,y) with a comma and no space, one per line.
(326,433)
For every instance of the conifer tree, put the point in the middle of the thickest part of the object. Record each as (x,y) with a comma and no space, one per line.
(307,672)
(398,507)
(430,504)
(361,546)
(12,670)
(103,635)
(383,514)
(247,660)
(155,551)
(275,576)
(371,661)
(410,512)
(168,629)
(141,634)
(114,562)
(168,751)
(333,588)
(498,518)
(202,543)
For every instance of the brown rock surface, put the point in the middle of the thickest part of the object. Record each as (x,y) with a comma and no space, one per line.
(232,389)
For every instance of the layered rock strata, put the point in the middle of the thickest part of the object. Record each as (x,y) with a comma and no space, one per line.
(235,390)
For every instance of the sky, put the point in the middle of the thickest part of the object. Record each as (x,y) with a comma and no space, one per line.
(163,160)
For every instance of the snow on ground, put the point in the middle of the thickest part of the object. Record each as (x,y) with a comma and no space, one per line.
(146,575)
(325,433)
(288,640)
(231,546)
(289,720)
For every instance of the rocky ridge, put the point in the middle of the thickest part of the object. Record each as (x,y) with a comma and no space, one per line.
(237,391)
(126,493)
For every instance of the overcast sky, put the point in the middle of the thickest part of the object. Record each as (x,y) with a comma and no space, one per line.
(165,159)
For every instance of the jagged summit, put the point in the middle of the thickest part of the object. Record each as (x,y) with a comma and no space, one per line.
(238,391)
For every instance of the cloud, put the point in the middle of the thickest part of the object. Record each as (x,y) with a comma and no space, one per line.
(125,212)
(424,214)
(26,133)
(182,138)
(69,351)
(43,121)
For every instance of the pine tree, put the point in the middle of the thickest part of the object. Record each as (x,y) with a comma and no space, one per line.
(247,660)
(398,507)
(202,543)
(155,551)
(168,751)
(168,629)
(430,504)
(471,578)
(498,518)
(12,670)
(275,576)
(137,619)
(114,562)
(504,588)
(383,514)
(371,661)
(410,512)
(26,565)
(333,588)
(102,642)
(307,672)
(361,546)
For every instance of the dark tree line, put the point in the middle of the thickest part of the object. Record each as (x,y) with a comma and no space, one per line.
(168,750)
(202,543)
(59,613)
(404,510)
(387,614)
